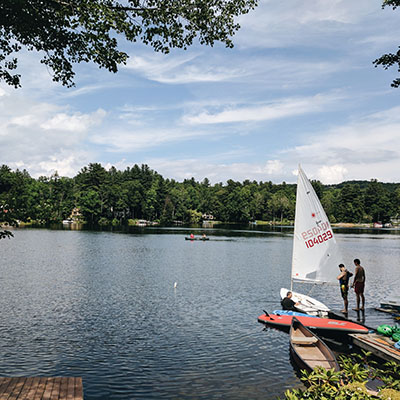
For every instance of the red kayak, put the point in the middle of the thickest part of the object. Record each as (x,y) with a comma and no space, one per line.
(325,324)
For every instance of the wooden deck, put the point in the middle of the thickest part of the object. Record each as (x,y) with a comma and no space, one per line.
(41,388)
(378,345)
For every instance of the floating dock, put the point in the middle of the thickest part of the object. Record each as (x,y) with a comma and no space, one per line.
(41,388)
(371,317)
(378,345)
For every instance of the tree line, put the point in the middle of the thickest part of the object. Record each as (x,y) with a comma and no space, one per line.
(113,196)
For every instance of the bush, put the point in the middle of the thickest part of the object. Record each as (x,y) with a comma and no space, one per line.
(349,383)
(103,221)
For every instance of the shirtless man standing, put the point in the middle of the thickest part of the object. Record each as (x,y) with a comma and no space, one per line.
(344,279)
(358,284)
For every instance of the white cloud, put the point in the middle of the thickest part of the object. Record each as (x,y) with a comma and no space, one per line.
(63,162)
(263,112)
(176,69)
(43,137)
(297,23)
(331,173)
(76,122)
(206,167)
(363,149)
(134,139)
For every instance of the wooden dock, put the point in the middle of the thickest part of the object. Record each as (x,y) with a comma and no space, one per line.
(378,345)
(371,317)
(41,388)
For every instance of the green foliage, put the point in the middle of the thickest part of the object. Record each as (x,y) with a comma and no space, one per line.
(390,59)
(349,382)
(74,31)
(193,216)
(389,394)
(103,221)
(104,196)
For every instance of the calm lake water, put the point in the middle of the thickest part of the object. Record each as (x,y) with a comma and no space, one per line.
(102,305)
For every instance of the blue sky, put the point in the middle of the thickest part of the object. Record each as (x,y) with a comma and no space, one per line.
(298,87)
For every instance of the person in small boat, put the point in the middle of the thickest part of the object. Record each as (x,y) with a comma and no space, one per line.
(203,236)
(344,278)
(191,236)
(359,284)
(288,303)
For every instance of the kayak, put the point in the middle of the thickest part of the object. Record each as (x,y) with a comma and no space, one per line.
(196,238)
(315,323)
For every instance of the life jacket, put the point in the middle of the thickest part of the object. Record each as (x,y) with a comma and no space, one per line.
(344,280)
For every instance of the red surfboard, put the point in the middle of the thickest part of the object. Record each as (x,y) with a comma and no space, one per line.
(326,324)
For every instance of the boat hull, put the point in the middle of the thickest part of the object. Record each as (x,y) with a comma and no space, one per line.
(308,305)
(391,304)
(315,324)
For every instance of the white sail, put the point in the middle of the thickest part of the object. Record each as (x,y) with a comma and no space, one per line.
(315,252)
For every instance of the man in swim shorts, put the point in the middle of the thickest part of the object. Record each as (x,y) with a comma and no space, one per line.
(344,278)
(359,284)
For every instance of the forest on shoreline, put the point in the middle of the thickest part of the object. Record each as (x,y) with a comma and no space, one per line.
(112,196)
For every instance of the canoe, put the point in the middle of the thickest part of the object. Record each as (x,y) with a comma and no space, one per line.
(314,323)
(196,238)
(308,350)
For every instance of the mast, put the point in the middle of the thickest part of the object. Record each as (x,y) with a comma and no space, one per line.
(294,230)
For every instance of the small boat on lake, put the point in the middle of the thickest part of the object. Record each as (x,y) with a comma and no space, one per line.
(324,325)
(196,238)
(308,350)
(392,303)
(315,256)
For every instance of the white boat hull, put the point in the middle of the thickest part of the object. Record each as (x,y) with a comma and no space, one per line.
(393,303)
(307,304)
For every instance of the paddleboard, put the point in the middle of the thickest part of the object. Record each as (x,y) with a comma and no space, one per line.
(292,313)
(316,323)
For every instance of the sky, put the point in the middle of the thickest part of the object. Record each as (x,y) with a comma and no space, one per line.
(299,87)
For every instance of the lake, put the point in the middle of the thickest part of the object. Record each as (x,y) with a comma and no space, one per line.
(102,305)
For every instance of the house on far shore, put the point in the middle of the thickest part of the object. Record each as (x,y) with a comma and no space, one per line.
(207,217)
(75,216)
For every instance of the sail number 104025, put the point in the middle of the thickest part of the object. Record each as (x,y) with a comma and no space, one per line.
(318,239)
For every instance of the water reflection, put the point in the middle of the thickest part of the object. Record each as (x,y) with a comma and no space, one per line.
(102,305)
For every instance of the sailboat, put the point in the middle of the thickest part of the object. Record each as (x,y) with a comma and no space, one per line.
(316,256)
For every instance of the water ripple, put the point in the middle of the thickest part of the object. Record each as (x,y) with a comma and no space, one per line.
(103,306)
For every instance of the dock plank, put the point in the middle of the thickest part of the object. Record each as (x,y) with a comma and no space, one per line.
(78,388)
(376,345)
(25,390)
(17,389)
(41,388)
(48,389)
(71,389)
